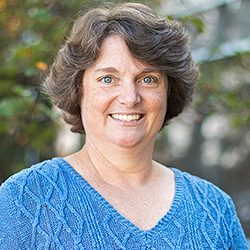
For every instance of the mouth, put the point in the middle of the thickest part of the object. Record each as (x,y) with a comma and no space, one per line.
(127,117)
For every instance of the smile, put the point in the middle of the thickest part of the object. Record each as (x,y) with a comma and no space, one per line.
(128,118)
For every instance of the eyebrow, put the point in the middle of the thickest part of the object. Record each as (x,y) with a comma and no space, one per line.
(114,70)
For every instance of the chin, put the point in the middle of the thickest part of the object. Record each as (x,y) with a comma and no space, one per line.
(128,142)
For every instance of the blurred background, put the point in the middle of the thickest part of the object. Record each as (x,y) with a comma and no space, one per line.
(210,139)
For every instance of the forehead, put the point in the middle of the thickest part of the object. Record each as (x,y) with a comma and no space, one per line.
(114,43)
(114,52)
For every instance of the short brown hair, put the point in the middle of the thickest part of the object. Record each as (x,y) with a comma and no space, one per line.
(159,42)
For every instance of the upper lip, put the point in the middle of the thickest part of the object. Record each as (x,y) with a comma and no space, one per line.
(127,113)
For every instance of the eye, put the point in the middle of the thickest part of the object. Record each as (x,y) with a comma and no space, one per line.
(149,80)
(106,79)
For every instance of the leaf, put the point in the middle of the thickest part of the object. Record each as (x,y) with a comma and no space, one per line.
(42,15)
(21,91)
(10,107)
(197,22)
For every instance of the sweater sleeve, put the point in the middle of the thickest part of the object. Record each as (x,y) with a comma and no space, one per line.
(10,230)
(238,238)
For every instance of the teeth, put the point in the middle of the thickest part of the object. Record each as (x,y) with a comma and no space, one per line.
(129,118)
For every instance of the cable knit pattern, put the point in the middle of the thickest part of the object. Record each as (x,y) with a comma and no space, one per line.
(50,206)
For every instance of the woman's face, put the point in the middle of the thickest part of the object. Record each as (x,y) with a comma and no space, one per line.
(124,100)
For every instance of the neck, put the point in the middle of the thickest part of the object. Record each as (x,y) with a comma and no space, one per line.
(117,166)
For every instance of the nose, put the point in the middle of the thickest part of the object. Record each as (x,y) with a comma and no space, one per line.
(129,95)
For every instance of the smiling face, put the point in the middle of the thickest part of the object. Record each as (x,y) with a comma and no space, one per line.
(124,101)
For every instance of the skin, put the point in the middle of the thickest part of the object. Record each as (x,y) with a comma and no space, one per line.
(117,156)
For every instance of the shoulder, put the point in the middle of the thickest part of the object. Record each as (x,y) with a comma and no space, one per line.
(19,197)
(32,181)
(24,192)
(200,187)
(213,211)
(206,196)
(47,167)
(31,198)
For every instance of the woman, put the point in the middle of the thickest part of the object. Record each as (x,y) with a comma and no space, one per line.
(122,74)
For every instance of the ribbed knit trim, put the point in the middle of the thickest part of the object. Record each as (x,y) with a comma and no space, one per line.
(160,225)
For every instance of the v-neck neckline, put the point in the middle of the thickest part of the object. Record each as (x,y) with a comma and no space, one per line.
(160,224)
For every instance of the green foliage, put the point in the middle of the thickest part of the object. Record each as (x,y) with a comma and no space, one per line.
(195,22)
(224,88)
(33,31)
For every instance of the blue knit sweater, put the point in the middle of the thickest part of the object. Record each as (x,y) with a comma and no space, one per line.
(50,206)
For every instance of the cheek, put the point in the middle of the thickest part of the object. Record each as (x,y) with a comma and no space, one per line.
(95,102)
(158,102)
